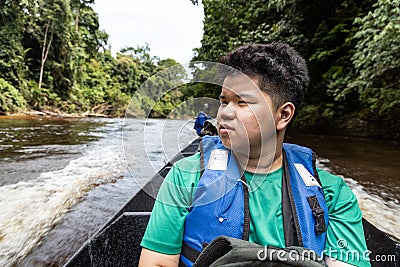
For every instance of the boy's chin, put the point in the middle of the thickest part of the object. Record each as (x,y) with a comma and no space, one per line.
(236,146)
(226,142)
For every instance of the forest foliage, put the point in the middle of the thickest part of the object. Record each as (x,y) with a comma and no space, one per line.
(351,47)
(54,56)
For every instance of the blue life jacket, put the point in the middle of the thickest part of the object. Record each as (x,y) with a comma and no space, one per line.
(199,122)
(220,202)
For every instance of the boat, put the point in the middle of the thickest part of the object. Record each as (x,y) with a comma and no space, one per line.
(117,243)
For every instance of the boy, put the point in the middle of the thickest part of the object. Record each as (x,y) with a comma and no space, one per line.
(248,176)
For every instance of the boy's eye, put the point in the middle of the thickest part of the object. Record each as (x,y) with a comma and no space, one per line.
(242,102)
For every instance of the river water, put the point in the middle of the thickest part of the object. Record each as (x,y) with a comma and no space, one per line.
(61,179)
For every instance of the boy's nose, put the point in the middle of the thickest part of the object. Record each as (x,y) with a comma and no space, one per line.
(227,113)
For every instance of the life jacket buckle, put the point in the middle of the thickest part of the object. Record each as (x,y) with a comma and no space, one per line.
(318,213)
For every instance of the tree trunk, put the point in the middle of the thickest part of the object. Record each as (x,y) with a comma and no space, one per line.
(45,51)
(77,18)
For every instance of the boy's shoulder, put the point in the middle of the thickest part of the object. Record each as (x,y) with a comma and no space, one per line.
(191,163)
(336,191)
(328,179)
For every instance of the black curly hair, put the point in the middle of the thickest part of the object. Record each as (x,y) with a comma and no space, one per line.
(281,71)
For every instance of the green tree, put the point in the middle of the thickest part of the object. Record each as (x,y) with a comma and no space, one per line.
(12,52)
(10,98)
(167,94)
(351,48)
(377,59)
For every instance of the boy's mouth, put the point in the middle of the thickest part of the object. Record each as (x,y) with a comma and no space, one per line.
(225,129)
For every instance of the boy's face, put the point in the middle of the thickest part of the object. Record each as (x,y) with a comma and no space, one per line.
(246,118)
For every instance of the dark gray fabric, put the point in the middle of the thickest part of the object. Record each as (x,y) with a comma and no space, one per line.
(232,252)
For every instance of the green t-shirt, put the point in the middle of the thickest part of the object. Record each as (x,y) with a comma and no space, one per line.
(345,236)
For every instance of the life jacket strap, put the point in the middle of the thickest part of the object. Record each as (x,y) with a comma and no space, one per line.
(318,213)
(189,252)
(291,222)
(181,263)
(246,219)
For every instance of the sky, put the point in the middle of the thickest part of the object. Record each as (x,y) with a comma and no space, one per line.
(172,28)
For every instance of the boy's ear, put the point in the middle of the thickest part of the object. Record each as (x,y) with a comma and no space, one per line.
(285,115)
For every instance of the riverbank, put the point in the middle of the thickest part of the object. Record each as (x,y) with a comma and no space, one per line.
(351,127)
(53,113)
(382,129)
(56,113)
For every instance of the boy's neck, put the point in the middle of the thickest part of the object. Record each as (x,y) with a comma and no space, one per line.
(264,164)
